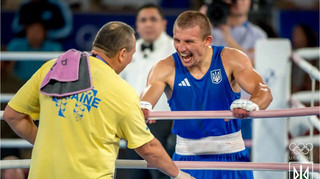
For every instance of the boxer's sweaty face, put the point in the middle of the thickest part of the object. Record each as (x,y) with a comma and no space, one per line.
(189,45)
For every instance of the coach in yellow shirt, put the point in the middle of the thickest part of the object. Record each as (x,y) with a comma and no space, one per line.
(78,135)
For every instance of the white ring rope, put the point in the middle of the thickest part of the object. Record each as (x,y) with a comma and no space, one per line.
(194,165)
(6,97)
(306,139)
(22,143)
(314,120)
(15,143)
(306,96)
(226,114)
(306,67)
(22,56)
(309,53)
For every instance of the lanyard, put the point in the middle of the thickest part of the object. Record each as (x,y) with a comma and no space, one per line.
(98,57)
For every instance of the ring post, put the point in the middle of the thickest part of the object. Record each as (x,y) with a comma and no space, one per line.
(270,136)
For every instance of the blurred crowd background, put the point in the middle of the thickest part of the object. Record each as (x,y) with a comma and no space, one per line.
(85,17)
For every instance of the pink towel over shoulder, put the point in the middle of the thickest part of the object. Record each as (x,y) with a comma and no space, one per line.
(70,74)
(65,69)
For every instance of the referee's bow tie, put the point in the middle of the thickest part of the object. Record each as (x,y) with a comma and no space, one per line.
(147,46)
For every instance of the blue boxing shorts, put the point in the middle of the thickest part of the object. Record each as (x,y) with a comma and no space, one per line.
(241,156)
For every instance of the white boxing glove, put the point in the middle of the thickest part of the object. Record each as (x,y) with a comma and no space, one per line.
(244,104)
(183,175)
(146,105)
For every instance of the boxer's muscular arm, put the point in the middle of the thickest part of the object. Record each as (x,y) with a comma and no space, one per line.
(248,79)
(160,76)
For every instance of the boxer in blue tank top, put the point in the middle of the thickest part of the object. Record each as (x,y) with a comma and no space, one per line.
(211,92)
(200,77)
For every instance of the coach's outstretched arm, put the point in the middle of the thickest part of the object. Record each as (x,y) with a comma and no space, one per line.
(154,153)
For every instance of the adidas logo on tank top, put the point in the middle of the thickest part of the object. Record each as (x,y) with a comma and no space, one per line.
(184,82)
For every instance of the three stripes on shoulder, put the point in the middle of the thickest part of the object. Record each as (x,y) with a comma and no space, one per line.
(184,82)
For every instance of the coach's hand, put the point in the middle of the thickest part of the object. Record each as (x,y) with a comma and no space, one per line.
(241,108)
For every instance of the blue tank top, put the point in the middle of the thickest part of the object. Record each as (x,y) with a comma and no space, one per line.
(211,92)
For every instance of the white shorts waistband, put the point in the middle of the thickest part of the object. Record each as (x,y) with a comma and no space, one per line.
(225,144)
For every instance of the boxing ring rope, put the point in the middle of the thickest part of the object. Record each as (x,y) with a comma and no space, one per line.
(162,115)
(12,143)
(306,96)
(306,139)
(142,164)
(314,120)
(22,143)
(309,53)
(306,67)
(6,97)
(22,56)
(226,114)
(182,115)
(15,143)
(158,115)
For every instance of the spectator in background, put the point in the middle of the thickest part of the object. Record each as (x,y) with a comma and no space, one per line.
(153,45)
(35,40)
(238,32)
(10,83)
(302,36)
(55,14)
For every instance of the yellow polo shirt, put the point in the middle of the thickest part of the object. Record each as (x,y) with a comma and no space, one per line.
(78,136)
